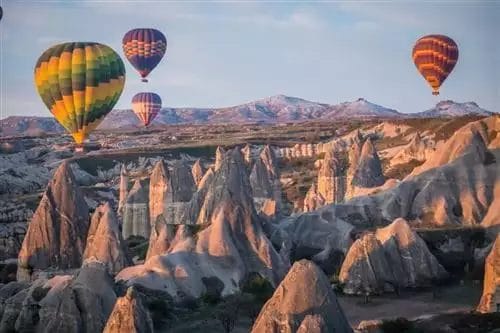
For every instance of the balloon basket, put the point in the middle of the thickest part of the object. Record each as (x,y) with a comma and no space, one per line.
(435,93)
(80,148)
(144,80)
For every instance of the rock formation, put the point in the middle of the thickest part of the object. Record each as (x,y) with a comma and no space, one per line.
(491,221)
(312,235)
(198,171)
(331,179)
(313,200)
(459,193)
(369,169)
(265,178)
(183,185)
(490,300)
(159,188)
(57,233)
(472,138)
(136,212)
(247,155)
(161,237)
(230,245)
(123,189)
(303,302)
(219,156)
(129,315)
(391,258)
(104,241)
(82,305)
(418,149)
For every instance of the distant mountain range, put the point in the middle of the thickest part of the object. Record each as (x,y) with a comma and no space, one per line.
(273,109)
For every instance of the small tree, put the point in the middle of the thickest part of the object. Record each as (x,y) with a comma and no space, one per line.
(227,313)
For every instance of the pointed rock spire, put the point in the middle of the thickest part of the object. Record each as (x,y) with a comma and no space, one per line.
(136,213)
(161,237)
(265,178)
(57,233)
(369,171)
(182,181)
(392,257)
(219,156)
(303,299)
(123,189)
(230,245)
(198,171)
(247,155)
(129,315)
(331,179)
(104,241)
(159,187)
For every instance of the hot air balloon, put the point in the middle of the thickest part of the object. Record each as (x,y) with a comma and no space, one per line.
(144,49)
(1,13)
(435,56)
(146,106)
(79,83)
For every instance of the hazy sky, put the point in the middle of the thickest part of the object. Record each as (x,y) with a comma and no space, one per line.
(230,52)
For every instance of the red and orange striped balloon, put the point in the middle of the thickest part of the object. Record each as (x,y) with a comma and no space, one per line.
(435,57)
(146,106)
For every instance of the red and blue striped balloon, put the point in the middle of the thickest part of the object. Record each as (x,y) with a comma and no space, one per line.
(144,49)
(146,106)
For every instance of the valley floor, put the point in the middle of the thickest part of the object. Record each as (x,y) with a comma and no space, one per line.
(410,304)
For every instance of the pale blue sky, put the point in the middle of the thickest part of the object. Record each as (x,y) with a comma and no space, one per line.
(227,53)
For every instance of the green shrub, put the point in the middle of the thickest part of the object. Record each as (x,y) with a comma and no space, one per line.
(259,287)
(210,298)
(398,325)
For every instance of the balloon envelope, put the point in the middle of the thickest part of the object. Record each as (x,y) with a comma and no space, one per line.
(144,48)
(79,83)
(435,57)
(146,106)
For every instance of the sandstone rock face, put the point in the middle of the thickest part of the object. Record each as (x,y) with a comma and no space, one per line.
(123,189)
(473,137)
(159,184)
(331,179)
(183,185)
(313,200)
(136,212)
(57,233)
(198,171)
(219,156)
(303,302)
(161,237)
(265,178)
(369,169)
(247,155)
(230,245)
(418,149)
(82,305)
(313,234)
(104,241)
(490,300)
(459,193)
(129,315)
(491,221)
(393,257)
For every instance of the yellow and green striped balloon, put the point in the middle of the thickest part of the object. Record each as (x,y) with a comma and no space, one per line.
(80,83)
